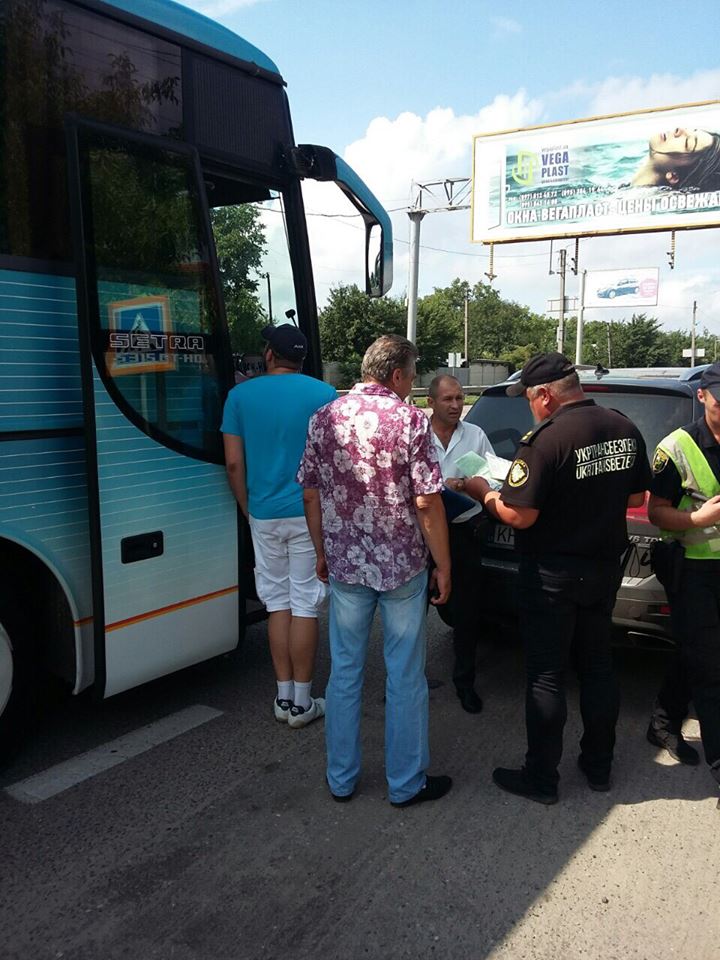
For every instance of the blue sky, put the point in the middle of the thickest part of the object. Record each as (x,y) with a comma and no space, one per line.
(400,88)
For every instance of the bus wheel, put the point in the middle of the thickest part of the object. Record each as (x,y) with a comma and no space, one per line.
(17,686)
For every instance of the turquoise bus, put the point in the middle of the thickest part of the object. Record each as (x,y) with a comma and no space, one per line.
(122,125)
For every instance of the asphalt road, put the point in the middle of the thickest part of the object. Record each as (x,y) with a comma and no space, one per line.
(223,843)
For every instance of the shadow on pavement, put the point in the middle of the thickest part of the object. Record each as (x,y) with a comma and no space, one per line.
(225,843)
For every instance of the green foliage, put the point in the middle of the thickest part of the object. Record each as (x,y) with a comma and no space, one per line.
(349,324)
(498,329)
(351,321)
(638,342)
(240,244)
(504,330)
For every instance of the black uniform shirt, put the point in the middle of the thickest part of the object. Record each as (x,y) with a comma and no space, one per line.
(578,468)
(666,481)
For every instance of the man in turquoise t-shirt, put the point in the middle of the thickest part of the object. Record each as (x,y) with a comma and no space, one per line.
(265,425)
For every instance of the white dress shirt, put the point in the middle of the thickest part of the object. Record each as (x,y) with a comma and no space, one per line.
(466,438)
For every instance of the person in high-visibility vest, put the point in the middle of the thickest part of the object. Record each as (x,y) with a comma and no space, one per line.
(685,505)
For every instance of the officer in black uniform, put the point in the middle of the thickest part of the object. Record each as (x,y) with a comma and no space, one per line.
(685,505)
(566,495)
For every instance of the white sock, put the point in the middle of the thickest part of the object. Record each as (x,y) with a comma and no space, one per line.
(285,690)
(302,694)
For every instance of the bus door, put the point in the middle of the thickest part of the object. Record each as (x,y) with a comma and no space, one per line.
(156,367)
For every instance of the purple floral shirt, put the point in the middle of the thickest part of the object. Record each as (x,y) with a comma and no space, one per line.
(369,454)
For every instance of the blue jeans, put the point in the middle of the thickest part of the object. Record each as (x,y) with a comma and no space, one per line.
(402,611)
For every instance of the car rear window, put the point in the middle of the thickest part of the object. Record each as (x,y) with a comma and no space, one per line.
(506,419)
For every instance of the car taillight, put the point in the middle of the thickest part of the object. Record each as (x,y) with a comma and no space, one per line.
(639,514)
(665,610)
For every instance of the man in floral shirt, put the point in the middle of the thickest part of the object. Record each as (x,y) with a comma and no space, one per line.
(373,505)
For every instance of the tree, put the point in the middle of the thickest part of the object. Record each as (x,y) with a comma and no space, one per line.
(638,342)
(498,329)
(441,324)
(505,330)
(351,321)
(240,244)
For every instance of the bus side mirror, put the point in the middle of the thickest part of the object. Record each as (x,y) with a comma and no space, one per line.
(319,163)
(373,255)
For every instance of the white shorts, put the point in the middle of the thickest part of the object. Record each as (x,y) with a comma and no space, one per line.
(285,577)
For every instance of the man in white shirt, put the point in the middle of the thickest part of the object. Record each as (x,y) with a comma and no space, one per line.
(453,438)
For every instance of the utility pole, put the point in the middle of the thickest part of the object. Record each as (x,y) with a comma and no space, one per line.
(456,192)
(561,321)
(467,358)
(609,357)
(416,217)
(692,340)
(580,320)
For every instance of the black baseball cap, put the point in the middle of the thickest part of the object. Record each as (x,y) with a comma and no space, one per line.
(286,341)
(542,368)
(710,380)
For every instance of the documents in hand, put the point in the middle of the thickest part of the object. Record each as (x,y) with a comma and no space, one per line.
(489,468)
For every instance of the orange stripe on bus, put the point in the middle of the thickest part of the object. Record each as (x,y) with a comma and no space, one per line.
(173,606)
(161,610)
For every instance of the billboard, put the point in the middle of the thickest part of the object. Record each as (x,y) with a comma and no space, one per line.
(635,287)
(628,173)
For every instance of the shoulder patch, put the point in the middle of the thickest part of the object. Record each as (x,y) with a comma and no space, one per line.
(660,461)
(531,434)
(518,474)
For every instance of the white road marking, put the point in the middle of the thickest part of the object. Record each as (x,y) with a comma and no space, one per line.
(64,775)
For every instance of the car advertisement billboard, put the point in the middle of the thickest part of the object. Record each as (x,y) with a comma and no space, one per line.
(627,173)
(636,287)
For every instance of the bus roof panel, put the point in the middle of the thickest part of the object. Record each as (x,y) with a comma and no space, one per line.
(195,26)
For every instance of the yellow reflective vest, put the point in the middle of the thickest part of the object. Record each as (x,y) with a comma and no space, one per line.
(697,477)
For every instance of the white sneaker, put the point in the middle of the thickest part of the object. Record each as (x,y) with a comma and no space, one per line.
(282,709)
(301,718)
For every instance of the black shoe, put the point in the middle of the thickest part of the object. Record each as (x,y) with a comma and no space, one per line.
(340,797)
(599,784)
(434,788)
(675,744)
(469,700)
(517,782)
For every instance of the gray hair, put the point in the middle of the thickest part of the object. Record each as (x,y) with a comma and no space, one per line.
(560,389)
(389,352)
(434,388)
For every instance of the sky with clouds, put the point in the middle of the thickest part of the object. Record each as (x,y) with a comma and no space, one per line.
(399,89)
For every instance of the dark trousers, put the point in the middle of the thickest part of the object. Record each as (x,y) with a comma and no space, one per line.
(673,700)
(465,600)
(566,617)
(696,624)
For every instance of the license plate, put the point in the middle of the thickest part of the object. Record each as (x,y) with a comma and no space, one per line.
(503,536)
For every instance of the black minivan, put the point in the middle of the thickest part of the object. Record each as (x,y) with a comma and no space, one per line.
(657,400)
